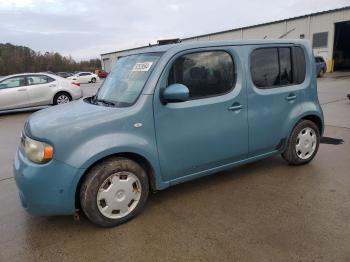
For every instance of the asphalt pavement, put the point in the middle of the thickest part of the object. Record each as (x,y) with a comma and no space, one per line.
(264,211)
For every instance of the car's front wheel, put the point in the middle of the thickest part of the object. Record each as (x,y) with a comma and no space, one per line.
(114,191)
(303,143)
(93,80)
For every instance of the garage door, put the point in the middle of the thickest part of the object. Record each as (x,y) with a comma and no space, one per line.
(341,52)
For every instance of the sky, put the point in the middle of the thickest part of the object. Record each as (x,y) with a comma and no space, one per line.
(85,29)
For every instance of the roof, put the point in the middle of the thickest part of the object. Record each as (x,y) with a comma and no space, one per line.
(25,74)
(239,28)
(156,48)
(203,44)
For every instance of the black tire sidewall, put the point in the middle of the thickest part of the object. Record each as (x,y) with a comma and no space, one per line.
(97,175)
(93,80)
(59,94)
(290,154)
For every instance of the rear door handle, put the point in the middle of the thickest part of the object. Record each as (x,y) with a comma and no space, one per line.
(291,97)
(53,85)
(22,89)
(235,107)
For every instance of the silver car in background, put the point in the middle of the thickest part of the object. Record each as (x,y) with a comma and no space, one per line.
(32,90)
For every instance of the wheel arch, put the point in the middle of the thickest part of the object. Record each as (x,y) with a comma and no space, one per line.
(312,116)
(61,92)
(141,160)
(315,119)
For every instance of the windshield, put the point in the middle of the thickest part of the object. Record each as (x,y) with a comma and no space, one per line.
(124,84)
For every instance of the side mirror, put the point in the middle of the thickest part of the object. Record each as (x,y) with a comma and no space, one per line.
(175,93)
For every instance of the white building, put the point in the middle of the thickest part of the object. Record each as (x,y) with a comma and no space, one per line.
(328,31)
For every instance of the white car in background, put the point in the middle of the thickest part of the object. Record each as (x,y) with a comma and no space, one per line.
(84,77)
(32,90)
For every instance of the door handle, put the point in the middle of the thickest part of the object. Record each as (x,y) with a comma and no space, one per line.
(235,107)
(291,97)
(22,89)
(52,85)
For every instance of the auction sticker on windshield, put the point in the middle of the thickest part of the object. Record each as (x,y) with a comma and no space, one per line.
(142,67)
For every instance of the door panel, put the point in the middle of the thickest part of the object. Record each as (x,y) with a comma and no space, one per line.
(203,133)
(84,79)
(275,96)
(269,110)
(40,92)
(13,93)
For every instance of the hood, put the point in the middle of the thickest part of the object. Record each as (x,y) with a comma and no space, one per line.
(68,120)
(80,125)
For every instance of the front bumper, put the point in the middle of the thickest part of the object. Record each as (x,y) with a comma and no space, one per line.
(46,189)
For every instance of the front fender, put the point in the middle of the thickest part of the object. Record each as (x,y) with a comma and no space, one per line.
(106,145)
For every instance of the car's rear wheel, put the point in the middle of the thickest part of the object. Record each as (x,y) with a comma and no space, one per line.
(321,73)
(62,98)
(93,80)
(114,191)
(303,143)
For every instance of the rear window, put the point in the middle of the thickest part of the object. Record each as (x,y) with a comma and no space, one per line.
(277,66)
(319,59)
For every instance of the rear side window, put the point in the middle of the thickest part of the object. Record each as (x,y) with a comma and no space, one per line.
(206,74)
(39,79)
(285,58)
(299,69)
(264,67)
(274,67)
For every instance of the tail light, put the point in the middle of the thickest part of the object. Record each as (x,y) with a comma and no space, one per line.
(76,83)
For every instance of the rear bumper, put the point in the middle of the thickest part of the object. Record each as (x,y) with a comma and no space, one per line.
(77,94)
(47,189)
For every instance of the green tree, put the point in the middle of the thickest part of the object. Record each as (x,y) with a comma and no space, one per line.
(19,59)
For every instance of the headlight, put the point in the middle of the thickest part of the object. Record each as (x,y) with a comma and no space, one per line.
(36,151)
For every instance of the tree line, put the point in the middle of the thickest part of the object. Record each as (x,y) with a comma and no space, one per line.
(20,59)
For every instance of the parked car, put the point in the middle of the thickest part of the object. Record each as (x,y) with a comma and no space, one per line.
(36,89)
(166,115)
(64,74)
(84,77)
(321,66)
(102,74)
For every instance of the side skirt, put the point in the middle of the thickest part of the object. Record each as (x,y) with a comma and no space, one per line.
(220,168)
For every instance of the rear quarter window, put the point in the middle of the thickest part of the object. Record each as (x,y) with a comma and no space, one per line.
(273,67)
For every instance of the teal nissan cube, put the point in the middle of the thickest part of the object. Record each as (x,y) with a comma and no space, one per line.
(165,115)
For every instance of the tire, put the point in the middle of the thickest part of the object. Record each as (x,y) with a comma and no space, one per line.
(62,98)
(302,147)
(321,73)
(93,80)
(116,175)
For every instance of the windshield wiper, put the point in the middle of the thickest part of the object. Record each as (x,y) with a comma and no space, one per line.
(103,101)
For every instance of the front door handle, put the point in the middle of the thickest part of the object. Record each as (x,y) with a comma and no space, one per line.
(22,89)
(235,107)
(291,97)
